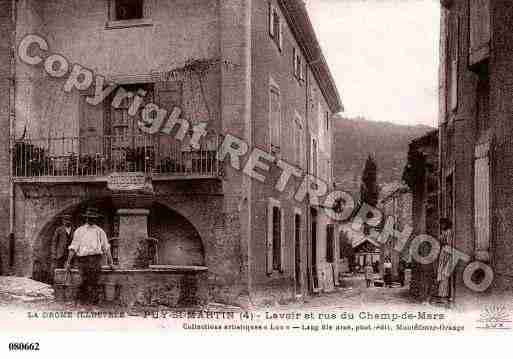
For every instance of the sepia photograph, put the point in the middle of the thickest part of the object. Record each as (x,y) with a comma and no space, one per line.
(255,167)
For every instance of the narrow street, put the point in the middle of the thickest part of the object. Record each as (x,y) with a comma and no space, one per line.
(355,295)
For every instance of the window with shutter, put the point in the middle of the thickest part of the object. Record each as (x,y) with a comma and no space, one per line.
(168,95)
(271,20)
(275,26)
(299,148)
(91,125)
(275,119)
(455,32)
(482,201)
(442,73)
(294,61)
(480,34)
(314,161)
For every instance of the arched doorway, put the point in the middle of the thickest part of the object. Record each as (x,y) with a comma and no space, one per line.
(43,263)
(179,243)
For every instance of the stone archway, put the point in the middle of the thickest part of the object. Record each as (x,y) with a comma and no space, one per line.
(42,261)
(179,241)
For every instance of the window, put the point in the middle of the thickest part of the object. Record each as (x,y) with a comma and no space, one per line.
(314,158)
(442,70)
(330,243)
(275,119)
(327,121)
(454,46)
(122,124)
(299,142)
(482,201)
(297,65)
(275,26)
(128,9)
(275,237)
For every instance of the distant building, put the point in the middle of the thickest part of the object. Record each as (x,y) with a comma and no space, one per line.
(421,175)
(396,204)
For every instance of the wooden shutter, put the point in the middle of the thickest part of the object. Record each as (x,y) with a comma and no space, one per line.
(90,125)
(271,19)
(294,61)
(168,95)
(281,34)
(482,198)
(275,116)
(455,32)
(479,31)
(442,70)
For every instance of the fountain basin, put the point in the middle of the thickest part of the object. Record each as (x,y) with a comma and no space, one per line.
(159,285)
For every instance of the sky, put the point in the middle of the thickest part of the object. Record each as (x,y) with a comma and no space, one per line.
(383,55)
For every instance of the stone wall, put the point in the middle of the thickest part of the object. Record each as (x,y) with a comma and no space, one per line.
(6,33)
(156,288)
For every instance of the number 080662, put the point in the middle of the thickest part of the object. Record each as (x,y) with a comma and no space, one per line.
(23,346)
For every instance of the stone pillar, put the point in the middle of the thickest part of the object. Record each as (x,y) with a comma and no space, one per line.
(133,235)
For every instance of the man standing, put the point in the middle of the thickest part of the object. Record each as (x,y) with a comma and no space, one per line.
(387,268)
(444,260)
(89,245)
(369,273)
(61,241)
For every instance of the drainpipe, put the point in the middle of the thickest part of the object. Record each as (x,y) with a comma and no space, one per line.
(12,121)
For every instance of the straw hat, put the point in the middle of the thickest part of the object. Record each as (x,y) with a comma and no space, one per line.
(91,212)
(66,217)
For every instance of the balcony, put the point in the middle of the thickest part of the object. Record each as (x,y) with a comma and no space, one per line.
(93,158)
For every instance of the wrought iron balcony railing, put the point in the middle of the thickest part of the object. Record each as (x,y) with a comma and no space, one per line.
(102,155)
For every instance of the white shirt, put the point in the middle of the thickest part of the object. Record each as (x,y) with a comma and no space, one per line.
(89,240)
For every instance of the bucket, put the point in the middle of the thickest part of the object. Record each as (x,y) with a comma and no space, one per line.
(76,278)
(110,291)
(61,277)
(60,292)
(71,293)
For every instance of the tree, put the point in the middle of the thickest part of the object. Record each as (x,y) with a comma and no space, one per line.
(369,190)
(346,249)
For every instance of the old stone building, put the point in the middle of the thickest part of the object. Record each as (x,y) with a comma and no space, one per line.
(421,175)
(396,206)
(476,152)
(178,218)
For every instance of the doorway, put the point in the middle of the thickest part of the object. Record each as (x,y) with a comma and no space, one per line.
(297,251)
(315,278)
